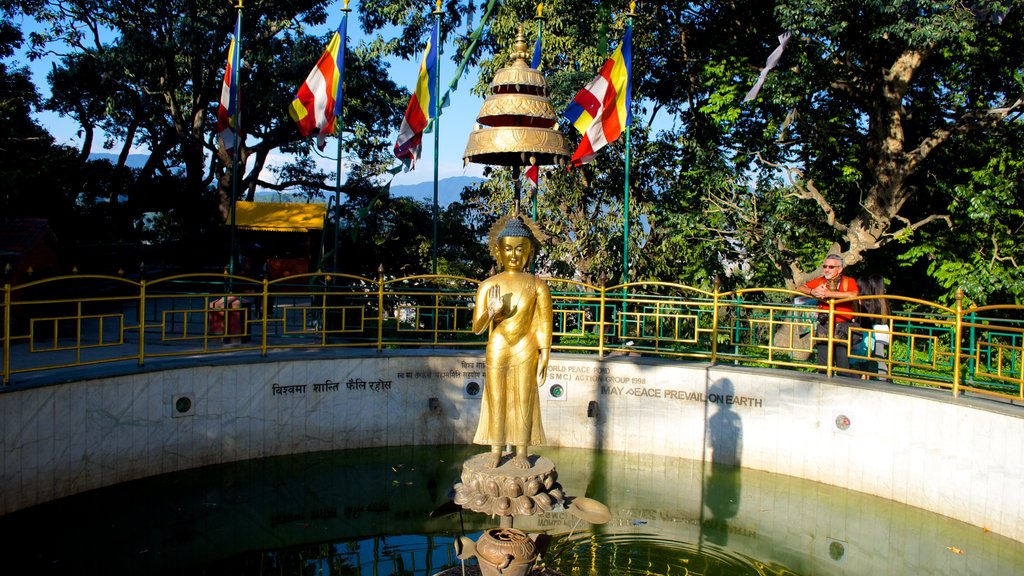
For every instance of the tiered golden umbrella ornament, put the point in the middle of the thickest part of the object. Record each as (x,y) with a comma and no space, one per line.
(517,125)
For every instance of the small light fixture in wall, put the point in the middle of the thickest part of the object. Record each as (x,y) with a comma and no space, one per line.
(556,392)
(472,389)
(593,409)
(836,550)
(843,422)
(183,405)
(435,406)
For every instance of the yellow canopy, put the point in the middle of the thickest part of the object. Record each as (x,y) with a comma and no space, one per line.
(279,217)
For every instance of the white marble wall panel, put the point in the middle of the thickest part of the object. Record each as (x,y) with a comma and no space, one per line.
(959,457)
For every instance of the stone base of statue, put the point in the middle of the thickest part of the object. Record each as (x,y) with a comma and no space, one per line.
(506,490)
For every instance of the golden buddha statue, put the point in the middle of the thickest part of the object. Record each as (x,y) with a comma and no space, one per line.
(516,306)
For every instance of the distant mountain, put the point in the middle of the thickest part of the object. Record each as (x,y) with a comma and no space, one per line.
(448,189)
(133,161)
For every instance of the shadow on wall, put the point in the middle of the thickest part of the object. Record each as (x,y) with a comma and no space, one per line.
(722,483)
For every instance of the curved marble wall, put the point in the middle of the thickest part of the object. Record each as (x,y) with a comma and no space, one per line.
(961,457)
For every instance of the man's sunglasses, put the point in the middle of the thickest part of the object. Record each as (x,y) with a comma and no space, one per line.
(830,267)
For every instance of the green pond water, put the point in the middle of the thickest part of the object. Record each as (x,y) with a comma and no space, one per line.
(368,512)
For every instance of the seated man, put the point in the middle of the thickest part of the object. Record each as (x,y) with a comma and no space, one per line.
(832,285)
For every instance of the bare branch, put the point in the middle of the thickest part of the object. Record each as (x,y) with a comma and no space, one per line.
(963,124)
(806,190)
(995,254)
(913,226)
(281,186)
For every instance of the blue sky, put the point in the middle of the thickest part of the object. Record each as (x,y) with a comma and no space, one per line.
(455,125)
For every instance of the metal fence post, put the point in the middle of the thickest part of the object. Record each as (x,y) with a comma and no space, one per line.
(955,344)
(714,321)
(600,324)
(380,308)
(830,337)
(7,333)
(265,296)
(141,322)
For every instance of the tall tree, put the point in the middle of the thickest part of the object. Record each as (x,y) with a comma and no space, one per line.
(149,77)
(38,175)
(878,91)
(841,150)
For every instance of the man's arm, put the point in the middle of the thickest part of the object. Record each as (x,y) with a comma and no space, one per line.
(806,287)
(823,293)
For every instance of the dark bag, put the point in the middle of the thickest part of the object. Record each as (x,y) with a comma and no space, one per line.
(821,327)
(842,331)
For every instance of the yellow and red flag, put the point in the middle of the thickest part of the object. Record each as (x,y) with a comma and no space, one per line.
(602,110)
(420,110)
(319,99)
(228,99)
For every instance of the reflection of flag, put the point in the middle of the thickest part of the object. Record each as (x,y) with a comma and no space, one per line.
(318,101)
(601,111)
(533,172)
(228,100)
(420,110)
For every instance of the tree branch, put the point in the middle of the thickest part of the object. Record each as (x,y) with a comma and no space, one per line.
(281,186)
(995,254)
(913,226)
(806,190)
(965,123)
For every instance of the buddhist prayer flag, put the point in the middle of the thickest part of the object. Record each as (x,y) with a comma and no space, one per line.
(533,174)
(602,110)
(319,99)
(773,59)
(420,110)
(228,99)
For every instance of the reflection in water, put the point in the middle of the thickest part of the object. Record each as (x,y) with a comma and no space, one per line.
(722,484)
(366,512)
(722,499)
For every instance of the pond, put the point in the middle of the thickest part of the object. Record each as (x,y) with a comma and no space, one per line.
(369,512)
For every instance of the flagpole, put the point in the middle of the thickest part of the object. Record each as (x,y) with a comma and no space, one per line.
(340,119)
(437,127)
(625,209)
(540,41)
(236,60)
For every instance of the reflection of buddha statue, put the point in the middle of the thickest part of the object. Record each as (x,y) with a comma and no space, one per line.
(516,305)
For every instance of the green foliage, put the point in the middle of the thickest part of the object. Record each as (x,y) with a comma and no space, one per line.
(396,233)
(983,254)
(889,131)
(580,338)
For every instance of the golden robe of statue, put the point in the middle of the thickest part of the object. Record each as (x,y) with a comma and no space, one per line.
(516,305)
